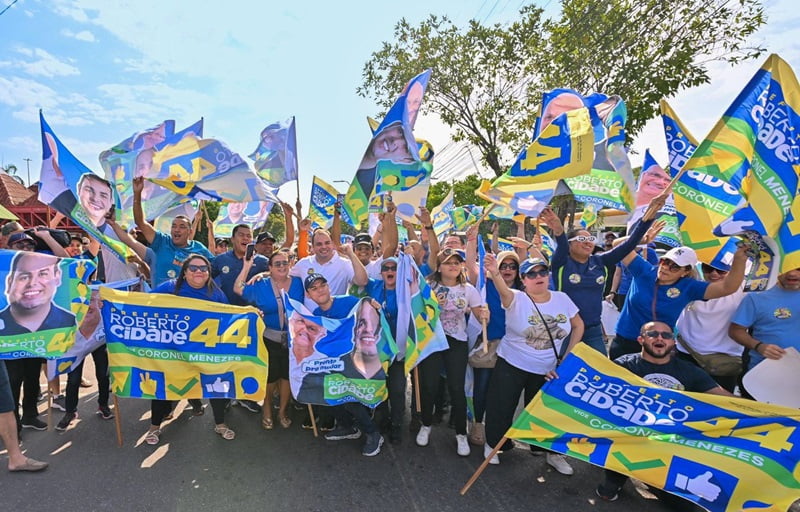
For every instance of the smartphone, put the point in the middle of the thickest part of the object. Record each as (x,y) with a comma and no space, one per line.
(250,251)
(340,199)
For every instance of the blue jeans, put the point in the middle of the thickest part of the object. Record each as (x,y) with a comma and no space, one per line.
(593,336)
(480,386)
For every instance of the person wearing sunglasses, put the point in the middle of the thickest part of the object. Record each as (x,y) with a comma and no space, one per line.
(703,327)
(456,298)
(582,275)
(661,292)
(193,282)
(655,363)
(266,294)
(542,326)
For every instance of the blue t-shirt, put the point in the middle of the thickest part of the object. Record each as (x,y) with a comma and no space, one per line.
(341,307)
(388,301)
(774,315)
(584,283)
(226,268)
(187,291)
(170,258)
(261,295)
(670,299)
(625,280)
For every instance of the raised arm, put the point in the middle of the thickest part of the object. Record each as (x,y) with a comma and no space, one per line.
(241,279)
(471,258)
(139,248)
(424,217)
(495,248)
(302,238)
(288,218)
(44,235)
(360,277)
(146,228)
(733,281)
(336,228)
(561,253)
(644,232)
(212,241)
(492,272)
(389,228)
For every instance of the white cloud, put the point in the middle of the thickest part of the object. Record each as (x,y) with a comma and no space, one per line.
(42,64)
(83,35)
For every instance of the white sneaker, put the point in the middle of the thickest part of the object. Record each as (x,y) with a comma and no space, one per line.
(559,463)
(487,450)
(423,436)
(463,445)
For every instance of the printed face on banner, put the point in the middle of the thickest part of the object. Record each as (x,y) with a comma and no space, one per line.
(96,197)
(389,144)
(32,284)
(653,181)
(367,335)
(305,334)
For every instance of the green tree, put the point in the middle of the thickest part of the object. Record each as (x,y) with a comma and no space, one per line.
(463,192)
(487,80)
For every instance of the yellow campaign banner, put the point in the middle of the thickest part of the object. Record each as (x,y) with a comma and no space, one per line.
(724,453)
(165,347)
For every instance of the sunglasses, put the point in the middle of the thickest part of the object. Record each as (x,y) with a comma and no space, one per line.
(533,274)
(672,265)
(280,264)
(21,246)
(583,238)
(508,266)
(197,268)
(707,269)
(388,268)
(665,335)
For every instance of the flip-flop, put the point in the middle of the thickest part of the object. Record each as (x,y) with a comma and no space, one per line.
(225,432)
(285,421)
(31,465)
(266,423)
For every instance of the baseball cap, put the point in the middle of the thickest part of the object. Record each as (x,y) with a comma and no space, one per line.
(266,235)
(719,265)
(362,238)
(507,254)
(20,237)
(312,278)
(531,263)
(11,227)
(683,256)
(220,241)
(446,254)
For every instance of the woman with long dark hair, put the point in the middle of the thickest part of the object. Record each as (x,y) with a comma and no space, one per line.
(193,282)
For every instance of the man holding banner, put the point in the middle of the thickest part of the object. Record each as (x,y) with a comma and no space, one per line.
(657,365)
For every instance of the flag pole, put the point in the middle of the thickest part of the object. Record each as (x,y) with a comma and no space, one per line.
(117,421)
(482,466)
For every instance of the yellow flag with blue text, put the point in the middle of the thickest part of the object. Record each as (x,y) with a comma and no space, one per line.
(165,347)
(754,147)
(724,453)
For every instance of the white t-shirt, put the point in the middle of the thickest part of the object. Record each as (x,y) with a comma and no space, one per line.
(338,271)
(455,302)
(374,269)
(526,344)
(704,325)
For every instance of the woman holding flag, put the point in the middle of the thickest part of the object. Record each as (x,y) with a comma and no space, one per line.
(456,298)
(193,282)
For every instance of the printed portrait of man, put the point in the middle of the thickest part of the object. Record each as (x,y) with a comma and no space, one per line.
(30,288)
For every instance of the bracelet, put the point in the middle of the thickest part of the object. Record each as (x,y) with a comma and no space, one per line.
(242,284)
(755,349)
(428,227)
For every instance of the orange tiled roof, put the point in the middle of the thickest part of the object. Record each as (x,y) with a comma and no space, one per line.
(13,193)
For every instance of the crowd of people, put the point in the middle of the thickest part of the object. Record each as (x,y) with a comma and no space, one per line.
(674,322)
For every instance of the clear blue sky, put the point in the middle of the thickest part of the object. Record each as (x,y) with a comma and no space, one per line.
(103,69)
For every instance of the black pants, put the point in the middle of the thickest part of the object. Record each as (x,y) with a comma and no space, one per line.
(159,409)
(505,385)
(23,374)
(614,481)
(396,382)
(100,358)
(346,414)
(621,346)
(455,364)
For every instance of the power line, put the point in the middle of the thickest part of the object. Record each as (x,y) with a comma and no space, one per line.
(9,6)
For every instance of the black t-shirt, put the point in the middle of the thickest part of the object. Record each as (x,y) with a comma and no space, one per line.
(676,374)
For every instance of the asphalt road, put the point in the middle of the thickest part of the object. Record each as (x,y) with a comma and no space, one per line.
(281,469)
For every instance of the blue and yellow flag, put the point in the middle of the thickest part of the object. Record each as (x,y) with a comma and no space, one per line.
(652,181)
(440,215)
(320,207)
(72,189)
(701,201)
(165,347)
(335,361)
(275,158)
(44,301)
(419,331)
(392,143)
(724,453)
(754,147)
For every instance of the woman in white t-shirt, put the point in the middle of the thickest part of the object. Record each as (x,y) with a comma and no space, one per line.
(456,298)
(542,326)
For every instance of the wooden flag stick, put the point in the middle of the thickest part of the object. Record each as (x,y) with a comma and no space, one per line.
(482,466)
(49,410)
(485,346)
(117,421)
(416,389)
(313,420)
(487,212)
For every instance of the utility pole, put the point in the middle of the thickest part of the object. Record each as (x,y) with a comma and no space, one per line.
(28,161)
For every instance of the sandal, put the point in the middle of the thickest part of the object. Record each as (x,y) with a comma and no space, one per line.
(285,421)
(266,423)
(225,432)
(152,437)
